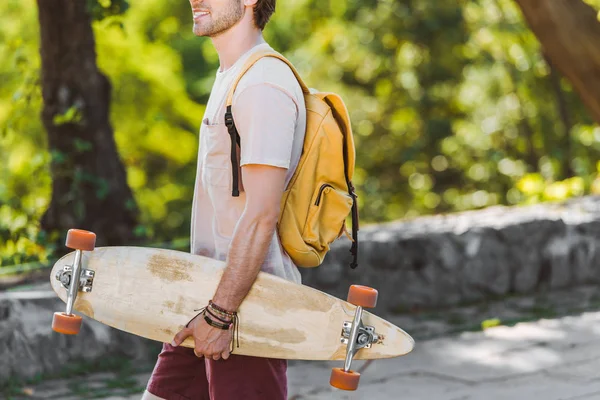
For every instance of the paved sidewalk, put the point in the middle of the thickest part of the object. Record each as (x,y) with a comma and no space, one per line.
(548,359)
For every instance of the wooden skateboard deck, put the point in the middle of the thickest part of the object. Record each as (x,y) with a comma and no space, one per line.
(153,293)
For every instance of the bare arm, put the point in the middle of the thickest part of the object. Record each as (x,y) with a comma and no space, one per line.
(265,159)
(264,187)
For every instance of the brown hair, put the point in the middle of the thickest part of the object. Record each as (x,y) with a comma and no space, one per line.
(262,12)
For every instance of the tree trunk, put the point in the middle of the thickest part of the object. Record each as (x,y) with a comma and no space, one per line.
(569,32)
(563,111)
(89,186)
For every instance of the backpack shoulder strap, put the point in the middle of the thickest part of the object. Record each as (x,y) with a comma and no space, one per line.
(230,123)
(252,60)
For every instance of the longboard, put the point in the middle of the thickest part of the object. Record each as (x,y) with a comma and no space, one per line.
(153,293)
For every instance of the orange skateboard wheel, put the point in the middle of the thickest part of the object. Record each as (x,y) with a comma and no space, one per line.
(344,380)
(81,240)
(65,323)
(362,296)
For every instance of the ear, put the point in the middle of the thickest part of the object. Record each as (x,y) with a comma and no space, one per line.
(250,3)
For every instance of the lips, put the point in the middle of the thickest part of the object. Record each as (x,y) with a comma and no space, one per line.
(198,14)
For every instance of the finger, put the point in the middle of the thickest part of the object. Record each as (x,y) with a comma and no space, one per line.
(181,336)
(225,355)
(201,351)
(216,357)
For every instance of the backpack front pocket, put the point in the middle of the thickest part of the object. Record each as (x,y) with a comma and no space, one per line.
(327,216)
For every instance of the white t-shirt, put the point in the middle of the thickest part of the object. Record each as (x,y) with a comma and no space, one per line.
(270,116)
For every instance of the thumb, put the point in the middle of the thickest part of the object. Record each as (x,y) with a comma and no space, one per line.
(181,336)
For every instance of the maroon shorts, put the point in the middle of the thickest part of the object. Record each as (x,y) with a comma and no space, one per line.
(180,375)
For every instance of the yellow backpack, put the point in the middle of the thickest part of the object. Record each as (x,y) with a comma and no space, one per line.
(320,194)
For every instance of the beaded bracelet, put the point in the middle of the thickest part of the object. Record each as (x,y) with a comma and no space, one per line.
(220,309)
(219,314)
(225,321)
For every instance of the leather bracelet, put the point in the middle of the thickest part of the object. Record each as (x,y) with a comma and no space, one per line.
(215,324)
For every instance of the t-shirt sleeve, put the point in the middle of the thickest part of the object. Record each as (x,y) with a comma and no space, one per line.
(265,116)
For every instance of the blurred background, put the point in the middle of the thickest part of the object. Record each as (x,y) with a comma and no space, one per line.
(454,105)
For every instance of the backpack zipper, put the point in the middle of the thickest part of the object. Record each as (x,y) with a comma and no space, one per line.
(321,192)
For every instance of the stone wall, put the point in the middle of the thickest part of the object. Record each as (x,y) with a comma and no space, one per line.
(444,260)
(29,347)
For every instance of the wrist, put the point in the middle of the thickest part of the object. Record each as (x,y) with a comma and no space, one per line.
(218,317)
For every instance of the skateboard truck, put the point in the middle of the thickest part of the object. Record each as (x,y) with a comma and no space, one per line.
(364,337)
(356,336)
(86,277)
(74,278)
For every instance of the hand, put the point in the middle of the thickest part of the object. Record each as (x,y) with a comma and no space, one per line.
(212,343)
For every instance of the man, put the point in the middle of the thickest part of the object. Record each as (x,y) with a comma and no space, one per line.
(269,113)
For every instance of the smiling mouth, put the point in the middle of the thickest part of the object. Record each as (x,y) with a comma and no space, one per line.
(199,14)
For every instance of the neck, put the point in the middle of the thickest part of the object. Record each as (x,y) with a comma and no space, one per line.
(236,41)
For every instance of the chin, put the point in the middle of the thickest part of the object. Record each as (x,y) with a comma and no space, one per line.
(199,31)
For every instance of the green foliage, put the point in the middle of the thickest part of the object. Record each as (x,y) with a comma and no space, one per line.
(71,116)
(536,189)
(452,103)
(490,323)
(24,174)
(154,119)
(100,9)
